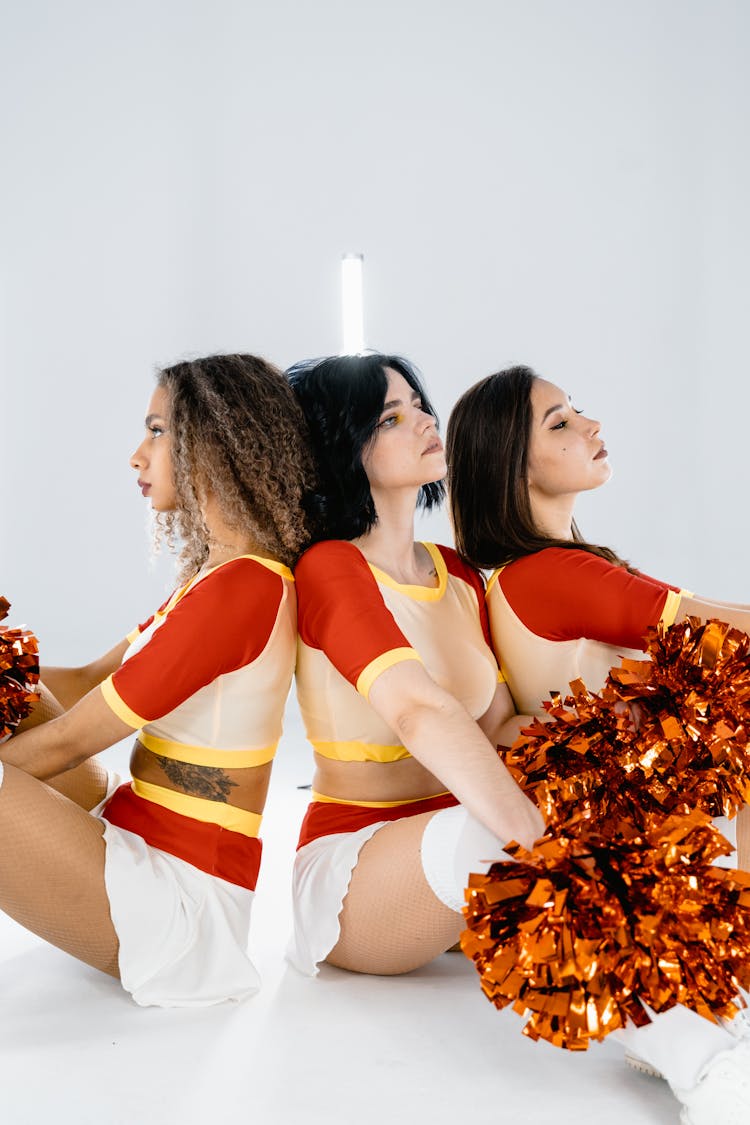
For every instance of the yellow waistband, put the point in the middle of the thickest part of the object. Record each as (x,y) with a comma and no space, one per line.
(206,755)
(211,812)
(374,804)
(359,751)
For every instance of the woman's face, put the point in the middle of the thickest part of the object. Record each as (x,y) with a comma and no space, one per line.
(405,451)
(153,457)
(566,452)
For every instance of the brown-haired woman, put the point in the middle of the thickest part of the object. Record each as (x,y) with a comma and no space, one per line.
(519,453)
(154,885)
(560,609)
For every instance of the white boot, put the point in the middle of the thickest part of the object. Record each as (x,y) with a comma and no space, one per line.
(721,1096)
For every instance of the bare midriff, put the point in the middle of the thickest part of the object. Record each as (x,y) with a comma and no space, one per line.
(404,780)
(244,788)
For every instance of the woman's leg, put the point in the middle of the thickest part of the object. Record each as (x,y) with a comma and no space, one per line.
(52,870)
(87,783)
(401,910)
(403,905)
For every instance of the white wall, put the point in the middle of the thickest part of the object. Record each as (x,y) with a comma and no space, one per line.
(557,182)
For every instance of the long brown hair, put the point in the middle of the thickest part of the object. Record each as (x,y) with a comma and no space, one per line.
(236,425)
(487,446)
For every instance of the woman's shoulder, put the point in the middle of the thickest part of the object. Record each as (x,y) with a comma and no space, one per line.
(328,553)
(331,562)
(236,589)
(556,560)
(554,573)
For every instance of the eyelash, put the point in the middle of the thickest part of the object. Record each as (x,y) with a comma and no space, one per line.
(156,431)
(563,424)
(385,423)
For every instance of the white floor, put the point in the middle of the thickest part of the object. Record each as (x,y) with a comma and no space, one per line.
(339,1049)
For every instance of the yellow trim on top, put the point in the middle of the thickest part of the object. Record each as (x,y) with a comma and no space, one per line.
(359,751)
(493,579)
(177,596)
(672,605)
(369,675)
(210,812)
(120,708)
(374,804)
(269,564)
(133,636)
(206,755)
(272,564)
(419,593)
(501,677)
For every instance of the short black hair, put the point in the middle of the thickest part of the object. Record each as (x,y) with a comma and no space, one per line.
(342,398)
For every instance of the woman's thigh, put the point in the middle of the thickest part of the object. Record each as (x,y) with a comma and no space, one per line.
(391,920)
(52,870)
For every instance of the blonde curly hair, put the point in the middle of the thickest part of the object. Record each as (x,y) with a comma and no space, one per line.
(236,427)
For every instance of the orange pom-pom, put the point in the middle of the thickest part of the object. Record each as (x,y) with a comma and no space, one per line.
(19,672)
(577,932)
(619,903)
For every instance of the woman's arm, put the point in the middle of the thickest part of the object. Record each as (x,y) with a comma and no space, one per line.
(695,606)
(441,734)
(59,745)
(69,685)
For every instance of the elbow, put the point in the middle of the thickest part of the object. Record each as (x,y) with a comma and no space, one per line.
(412,720)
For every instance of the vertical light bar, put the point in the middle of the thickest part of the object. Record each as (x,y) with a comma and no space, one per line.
(352,312)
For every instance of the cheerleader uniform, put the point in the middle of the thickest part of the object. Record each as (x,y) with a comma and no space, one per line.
(355,622)
(204,682)
(563,614)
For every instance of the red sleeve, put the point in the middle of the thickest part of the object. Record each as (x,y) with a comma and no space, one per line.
(222,623)
(564,594)
(341,611)
(460,569)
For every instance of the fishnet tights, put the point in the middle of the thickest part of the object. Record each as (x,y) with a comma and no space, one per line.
(391,921)
(86,785)
(52,870)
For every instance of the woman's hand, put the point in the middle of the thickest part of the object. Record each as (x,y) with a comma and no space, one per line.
(63,743)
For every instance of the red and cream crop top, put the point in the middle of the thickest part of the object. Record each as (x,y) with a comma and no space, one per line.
(564,614)
(355,622)
(206,678)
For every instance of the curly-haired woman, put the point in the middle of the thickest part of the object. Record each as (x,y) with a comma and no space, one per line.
(155,883)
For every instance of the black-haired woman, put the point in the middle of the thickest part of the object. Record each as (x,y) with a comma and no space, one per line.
(155,884)
(397,685)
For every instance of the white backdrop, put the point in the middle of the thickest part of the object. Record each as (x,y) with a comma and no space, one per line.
(558,182)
